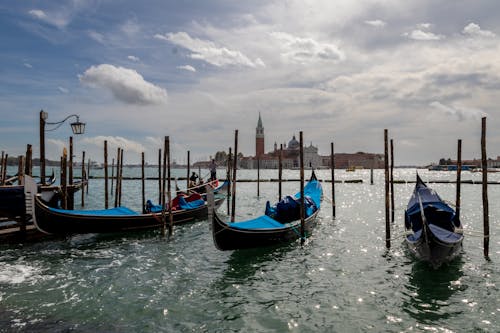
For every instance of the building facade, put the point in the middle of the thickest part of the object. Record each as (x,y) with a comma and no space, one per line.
(290,156)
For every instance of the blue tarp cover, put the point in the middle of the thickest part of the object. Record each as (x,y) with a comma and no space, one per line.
(261,222)
(444,235)
(288,209)
(118,211)
(312,194)
(190,205)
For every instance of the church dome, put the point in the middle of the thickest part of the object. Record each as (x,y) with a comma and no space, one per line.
(293,144)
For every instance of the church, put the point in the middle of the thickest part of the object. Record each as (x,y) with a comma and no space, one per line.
(290,154)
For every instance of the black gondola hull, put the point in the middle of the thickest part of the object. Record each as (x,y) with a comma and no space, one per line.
(53,222)
(435,252)
(230,238)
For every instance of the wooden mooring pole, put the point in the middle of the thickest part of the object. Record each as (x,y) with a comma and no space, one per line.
(106,194)
(117,175)
(112,173)
(121,178)
(302,201)
(163,188)
(28,170)
(332,162)
(143,183)
(235,167)
(228,177)
(20,180)
(484,164)
(392,181)
(71,194)
(83,179)
(169,191)
(188,169)
(459,178)
(387,202)
(280,171)
(64,179)
(160,190)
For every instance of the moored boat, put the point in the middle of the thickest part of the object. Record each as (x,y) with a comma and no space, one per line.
(119,219)
(433,231)
(280,223)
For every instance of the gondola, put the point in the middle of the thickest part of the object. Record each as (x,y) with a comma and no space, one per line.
(280,223)
(119,219)
(433,231)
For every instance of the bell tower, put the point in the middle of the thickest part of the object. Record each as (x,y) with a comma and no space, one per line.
(259,138)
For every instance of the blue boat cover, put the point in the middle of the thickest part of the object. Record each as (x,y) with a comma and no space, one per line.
(117,211)
(261,222)
(312,196)
(152,208)
(440,217)
(288,209)
(415,236)
(445,235)
(190,205)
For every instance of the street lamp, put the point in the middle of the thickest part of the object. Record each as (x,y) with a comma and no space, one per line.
(77,127)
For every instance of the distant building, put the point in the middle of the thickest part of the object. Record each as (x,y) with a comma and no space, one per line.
(259,138)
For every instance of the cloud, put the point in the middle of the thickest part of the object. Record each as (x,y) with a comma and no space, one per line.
(125,84)
(376,23)
(418,34)
(57,145)
(114,142)
(63,90)
(424,25)
(98,37)
(459,112)
(133,58)
(473,29)
(209,52)
(187,68)
(305,50)
(28,65)
(39,14)
(59,20)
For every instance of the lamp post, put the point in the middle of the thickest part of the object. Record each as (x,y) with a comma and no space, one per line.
(77,127)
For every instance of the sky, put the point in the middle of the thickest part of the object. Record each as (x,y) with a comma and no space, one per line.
(339,71)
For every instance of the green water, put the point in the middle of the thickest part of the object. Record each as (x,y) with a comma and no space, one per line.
(342,279)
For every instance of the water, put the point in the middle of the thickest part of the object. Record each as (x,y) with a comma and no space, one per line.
(341,280)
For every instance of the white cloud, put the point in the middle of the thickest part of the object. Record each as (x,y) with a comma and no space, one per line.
(424,25)
(209,52)
(305,50)
(39,14)
(57,146)
(98,37)
(63,90)
(125,84)
(459,112)
(59,20)
(114,142)
(423,35)
(133,58)
(376,23)
(27,65)
(187,68)
(473,29)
